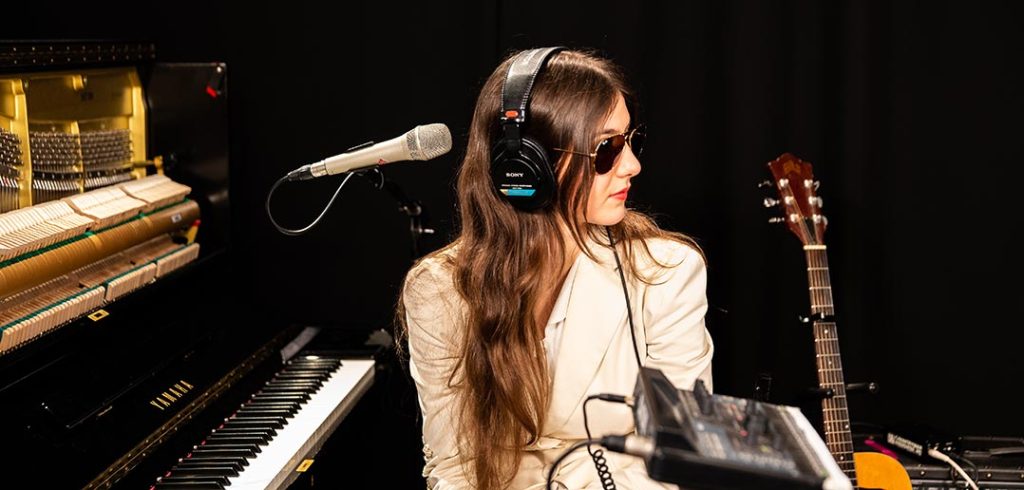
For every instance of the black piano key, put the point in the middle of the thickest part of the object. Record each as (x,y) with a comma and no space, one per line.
(298,376)
(196,464)
(267,431)
(303,394)
(324,370)
(322,360)
(270,404)
(282,398)
(252,446)
(209,470)
(228,439)
(301,379)
(188,486)
(302,382)
(210,457)
(267,412)
(314,359)
(255,416)
(277,420)
(234,423)
(307,387)
(242,453)
(312,369)
(320,372)
(221,479)
(254,434)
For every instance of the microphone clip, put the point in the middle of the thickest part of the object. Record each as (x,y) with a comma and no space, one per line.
(412,208)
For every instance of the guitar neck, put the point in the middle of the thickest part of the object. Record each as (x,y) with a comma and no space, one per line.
(830,365)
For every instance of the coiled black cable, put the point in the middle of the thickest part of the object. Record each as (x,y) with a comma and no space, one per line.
(604,474)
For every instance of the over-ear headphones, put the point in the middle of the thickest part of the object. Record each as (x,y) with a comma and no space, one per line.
(520,167)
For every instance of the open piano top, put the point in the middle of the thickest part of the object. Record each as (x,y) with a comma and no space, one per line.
(125,344)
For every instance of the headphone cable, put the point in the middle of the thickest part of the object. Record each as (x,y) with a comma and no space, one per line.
(625,292)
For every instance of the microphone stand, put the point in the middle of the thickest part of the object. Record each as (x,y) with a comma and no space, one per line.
(411,207)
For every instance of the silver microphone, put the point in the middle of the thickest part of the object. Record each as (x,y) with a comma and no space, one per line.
(423,142)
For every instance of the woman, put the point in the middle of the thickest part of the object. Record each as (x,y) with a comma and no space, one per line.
(523,316)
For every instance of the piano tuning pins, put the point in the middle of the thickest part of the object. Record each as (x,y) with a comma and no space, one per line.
(10,163)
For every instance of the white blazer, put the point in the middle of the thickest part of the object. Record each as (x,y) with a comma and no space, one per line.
(595,355)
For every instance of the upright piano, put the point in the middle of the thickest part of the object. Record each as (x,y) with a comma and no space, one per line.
(126,358)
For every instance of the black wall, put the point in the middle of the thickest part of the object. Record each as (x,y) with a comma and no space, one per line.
(909,111)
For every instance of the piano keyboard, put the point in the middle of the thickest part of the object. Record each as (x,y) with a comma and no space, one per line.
(262,444)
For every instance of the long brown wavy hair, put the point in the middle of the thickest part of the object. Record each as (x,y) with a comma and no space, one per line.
(504,260)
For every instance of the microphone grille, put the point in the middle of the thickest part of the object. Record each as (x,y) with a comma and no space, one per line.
(428,141)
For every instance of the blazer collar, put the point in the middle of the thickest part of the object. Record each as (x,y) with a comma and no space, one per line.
(558,311)
(596,310)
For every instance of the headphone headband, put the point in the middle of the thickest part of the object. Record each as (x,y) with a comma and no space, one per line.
(515,93)
(520,169)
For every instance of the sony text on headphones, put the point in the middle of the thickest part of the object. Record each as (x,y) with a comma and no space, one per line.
(520,167)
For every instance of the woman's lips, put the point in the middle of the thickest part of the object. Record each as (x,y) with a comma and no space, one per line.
(621,194)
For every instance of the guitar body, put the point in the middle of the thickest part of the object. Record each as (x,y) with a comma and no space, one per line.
(877,470)
(796,185)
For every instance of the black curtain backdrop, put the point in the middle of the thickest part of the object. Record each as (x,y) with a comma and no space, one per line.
(909,111)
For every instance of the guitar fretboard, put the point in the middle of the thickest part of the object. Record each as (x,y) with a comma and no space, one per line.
(836,416)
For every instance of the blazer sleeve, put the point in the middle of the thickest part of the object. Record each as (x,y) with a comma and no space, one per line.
(678,342)
(431,311)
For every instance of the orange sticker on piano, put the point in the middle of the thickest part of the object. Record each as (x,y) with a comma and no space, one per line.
(304,465)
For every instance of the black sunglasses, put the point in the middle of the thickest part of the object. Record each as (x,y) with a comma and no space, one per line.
(608,149)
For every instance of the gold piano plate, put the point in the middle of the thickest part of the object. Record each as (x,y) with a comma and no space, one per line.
(98,315)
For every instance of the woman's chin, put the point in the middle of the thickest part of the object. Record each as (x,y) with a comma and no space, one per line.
(609,217)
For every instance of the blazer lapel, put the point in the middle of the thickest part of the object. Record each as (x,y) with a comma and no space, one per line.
(596,311)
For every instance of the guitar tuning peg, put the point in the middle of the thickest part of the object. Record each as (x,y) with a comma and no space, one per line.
(817,184)
(764,183)
(770,202)
(776,220)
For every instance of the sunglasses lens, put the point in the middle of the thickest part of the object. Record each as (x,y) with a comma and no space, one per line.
(607,152)
(636,143)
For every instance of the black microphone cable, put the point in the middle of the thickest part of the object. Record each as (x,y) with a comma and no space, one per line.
(604,473)
(303,230)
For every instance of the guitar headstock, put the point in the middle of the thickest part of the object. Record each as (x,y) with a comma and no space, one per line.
(794,180)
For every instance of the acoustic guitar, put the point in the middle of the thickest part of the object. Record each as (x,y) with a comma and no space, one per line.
(797,190)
